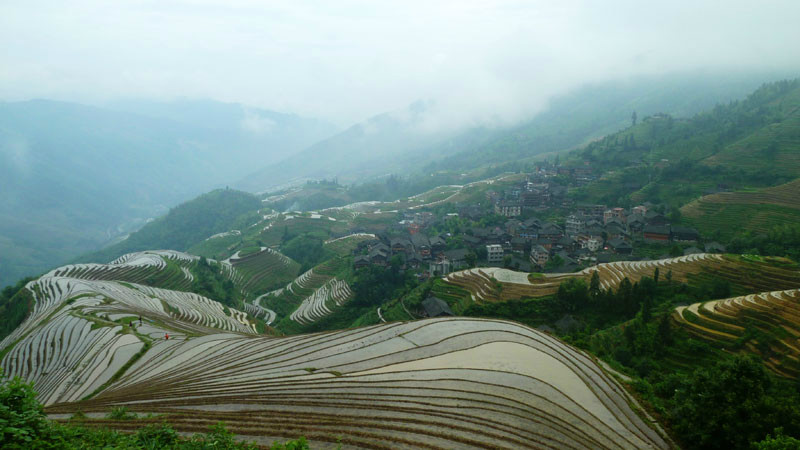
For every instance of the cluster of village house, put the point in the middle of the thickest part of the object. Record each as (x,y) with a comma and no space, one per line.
(590,234)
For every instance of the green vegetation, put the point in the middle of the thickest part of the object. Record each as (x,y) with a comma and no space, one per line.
(211,282)
(15,304)
(307,249)
(669,160)
(23,425)
(187,224)
(779,241)
(374,285)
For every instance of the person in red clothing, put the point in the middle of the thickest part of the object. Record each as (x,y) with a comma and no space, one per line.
(166,336)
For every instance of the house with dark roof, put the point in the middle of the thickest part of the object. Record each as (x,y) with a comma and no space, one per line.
(400,245)
(656,233)
(615,229)
(457,258)
(361,261)
(471,241)
(414,260)
(684,234)
(566,243)
(654,218)
(512,225)
(438,245)
(519,244)
(692,251)
(551,232)
(436,307)
(379,257)
(636,223)
(422,245)
(620,247)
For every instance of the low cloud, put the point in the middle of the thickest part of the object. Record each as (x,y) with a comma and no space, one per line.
(479,61)
(255,123)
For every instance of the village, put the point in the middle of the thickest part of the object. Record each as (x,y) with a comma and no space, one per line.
(530,226)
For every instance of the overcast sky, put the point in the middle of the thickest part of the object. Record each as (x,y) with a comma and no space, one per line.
(347,60)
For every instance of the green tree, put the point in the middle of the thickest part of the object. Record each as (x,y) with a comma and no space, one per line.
(594,285)
(779,442)
(647,309)
(573,294)
(471,258)
(22,418)
(723,407)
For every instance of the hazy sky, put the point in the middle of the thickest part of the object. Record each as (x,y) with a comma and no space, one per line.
(346,60)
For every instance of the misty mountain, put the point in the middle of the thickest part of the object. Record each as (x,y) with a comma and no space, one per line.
(403,142)
(74,177)
(389,142)
(257,135)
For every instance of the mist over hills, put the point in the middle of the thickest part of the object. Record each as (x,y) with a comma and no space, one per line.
(408,141)
(75,176)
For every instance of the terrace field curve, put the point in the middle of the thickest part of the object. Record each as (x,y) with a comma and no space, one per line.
(757,210)
(744,273)
(82,334)
(765,324)
(437,383)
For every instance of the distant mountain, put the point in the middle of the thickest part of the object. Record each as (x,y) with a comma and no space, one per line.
(258,136)
(403,143)
(594,111)
(74,177)
(186,224)
(396,141)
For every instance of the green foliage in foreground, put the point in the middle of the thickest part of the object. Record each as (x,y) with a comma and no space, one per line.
(23,425)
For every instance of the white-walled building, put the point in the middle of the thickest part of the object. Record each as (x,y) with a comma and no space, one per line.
(494,253)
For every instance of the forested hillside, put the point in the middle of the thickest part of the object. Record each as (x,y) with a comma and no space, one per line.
(739,145)
(186,224)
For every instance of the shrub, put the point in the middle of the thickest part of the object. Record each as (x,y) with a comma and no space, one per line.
(121,413)
(157,436)
(297,444)
(22,418)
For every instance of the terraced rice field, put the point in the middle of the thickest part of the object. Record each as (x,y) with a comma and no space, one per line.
(345,245)
(494,284)
(766,324)
(758,211)
(76,339)
(162,268)
(439,383)
(311,296)
(319,304)
(264,269)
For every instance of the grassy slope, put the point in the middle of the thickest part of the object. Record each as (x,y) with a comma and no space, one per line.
(752,144)
(757,210)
